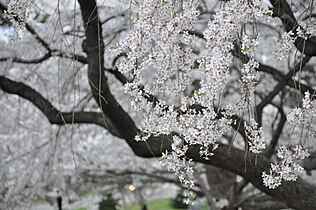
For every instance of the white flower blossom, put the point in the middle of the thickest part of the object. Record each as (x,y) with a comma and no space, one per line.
(284,45)
(295,115)
(254,135)
(17,14)
(287,168)
(304,114)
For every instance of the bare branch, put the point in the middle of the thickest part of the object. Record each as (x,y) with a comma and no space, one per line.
(94,47)
(280,86)
(53,115)
(276,133)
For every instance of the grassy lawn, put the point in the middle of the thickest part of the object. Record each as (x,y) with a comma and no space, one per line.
(164,204)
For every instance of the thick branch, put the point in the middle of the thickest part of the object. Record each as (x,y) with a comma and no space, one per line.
(94,47)
(277,75)
(31,61)
(283,10)
(53,115)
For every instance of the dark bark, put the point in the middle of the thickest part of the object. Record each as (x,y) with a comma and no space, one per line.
(282,9)
(52,114)
(94,47)
(280,86)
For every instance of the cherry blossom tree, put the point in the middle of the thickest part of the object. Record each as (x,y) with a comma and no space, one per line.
(221,83)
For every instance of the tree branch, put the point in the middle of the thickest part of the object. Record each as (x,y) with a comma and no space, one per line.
(53,115)
(94,47)
(276,133)
(283,10)
(277,75)
(268,99)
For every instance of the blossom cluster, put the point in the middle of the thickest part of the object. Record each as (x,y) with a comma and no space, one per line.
(254,135)
(16,13)
(303,115)
(249,44)
(177,162)
(284,45)
(160,60)
(287,168)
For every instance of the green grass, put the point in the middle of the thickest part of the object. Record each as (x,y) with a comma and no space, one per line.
(163,204)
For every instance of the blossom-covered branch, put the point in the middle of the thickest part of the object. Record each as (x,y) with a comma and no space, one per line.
(307,44)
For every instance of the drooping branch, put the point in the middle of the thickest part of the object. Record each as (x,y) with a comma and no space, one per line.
(53,115)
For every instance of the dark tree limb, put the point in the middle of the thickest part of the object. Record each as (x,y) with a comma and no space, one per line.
(31,61)
(276,134)
(53,115)
(282,9)
(94,47)
(279,76)
(280,86)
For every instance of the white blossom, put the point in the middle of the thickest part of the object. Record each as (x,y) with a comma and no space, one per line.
(17,14)
(254,135)
(287,168)
(295,115)
(284,45)
(303,115)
